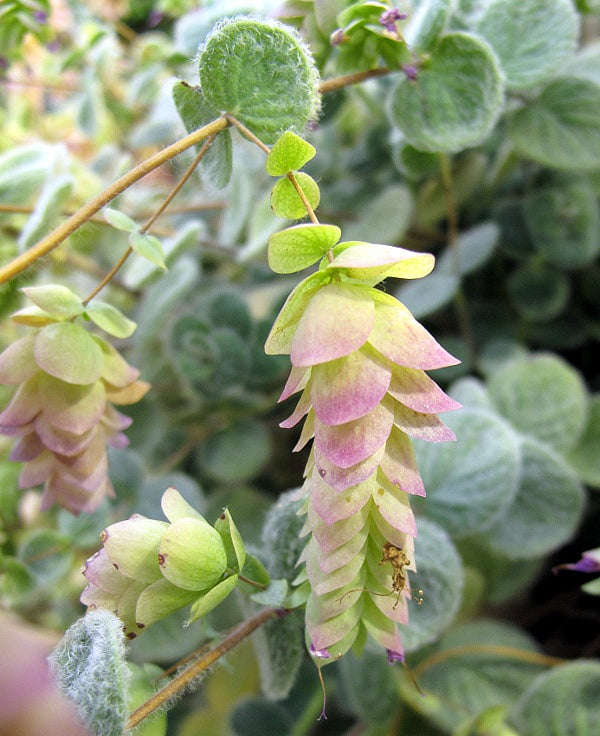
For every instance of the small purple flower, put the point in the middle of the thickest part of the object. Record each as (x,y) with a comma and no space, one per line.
(40,16)
(320,653)
(389,18)
(155,17)
(393,657)
(589,562)
(410,72)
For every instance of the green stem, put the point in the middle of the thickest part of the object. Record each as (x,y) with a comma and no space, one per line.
(57,236)
(183,679)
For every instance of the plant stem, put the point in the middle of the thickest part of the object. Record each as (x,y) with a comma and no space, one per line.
(182,680)
(305,202)
(329,85)
(148,224)
(83,214)
(522,655)
(248,133)
(452,233)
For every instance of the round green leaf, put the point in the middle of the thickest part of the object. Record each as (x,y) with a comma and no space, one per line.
(427,295)
(280,651)
(110,319)
(564,702)
(384,218)
(564,222)
(236,453)
(471,482)
(538,294)
(290,153)
(285,200)
(261,72)
(55,299)
(192,554)
(68,352)
(546,509)
(300,246)
(440,576)
(561,128)
(472,249)
(426,22)
(456,99)
(542,396)
(585,455)
(528,57)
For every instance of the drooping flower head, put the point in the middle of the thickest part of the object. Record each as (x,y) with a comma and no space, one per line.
(359,358)
(62,413)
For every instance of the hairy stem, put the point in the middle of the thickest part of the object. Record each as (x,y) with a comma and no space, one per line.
(181,681)
(329,85)
(83,214)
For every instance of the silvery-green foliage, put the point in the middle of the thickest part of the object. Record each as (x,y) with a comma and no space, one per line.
(89,667)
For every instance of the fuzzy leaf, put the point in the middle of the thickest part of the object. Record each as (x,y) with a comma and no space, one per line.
(546,510)
(528,58)
(110,319)
(426,23)
(259,71)
(463,479)
(563,701)
(455,101)
(585,455)
(285,200)
(57,300)
(195,112)
(290,153)
(440,576)
(280,650)
(542,396)
(275,595)
(300,246)
(561,128)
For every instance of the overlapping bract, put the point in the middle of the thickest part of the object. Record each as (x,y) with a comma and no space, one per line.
(63,414)
(147,569)
(359,358)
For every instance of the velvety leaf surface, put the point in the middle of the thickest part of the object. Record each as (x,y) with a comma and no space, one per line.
(68,352)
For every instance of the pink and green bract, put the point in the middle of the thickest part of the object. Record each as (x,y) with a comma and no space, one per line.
(63,413)
(359,357)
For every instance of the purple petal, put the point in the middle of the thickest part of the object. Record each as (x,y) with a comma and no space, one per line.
(394,656)
(28,448)
(24,406)
(72,408)
(60,442)
(336,322)
(348,388)
(320,653)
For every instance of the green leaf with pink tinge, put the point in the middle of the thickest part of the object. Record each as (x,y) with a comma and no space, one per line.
(68,352)
(70,407)
(336,322)
(374,262)
(17,363)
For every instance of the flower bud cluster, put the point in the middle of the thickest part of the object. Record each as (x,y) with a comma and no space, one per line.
(147,569)
(63,413)
(359,357)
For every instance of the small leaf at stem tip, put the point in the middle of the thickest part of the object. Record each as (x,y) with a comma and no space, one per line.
(56,300)
(274,595)
(119,220)
(286,202)
(234,545)
(290,153)
(110,319)
(300,246)
(148,247)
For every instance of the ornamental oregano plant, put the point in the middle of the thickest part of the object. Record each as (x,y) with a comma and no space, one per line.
(354,178)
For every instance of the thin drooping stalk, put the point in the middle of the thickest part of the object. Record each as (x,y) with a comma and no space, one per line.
(83,214)
(181,681)
(155,215)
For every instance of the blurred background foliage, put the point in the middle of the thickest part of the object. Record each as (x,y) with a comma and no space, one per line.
(503,188)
